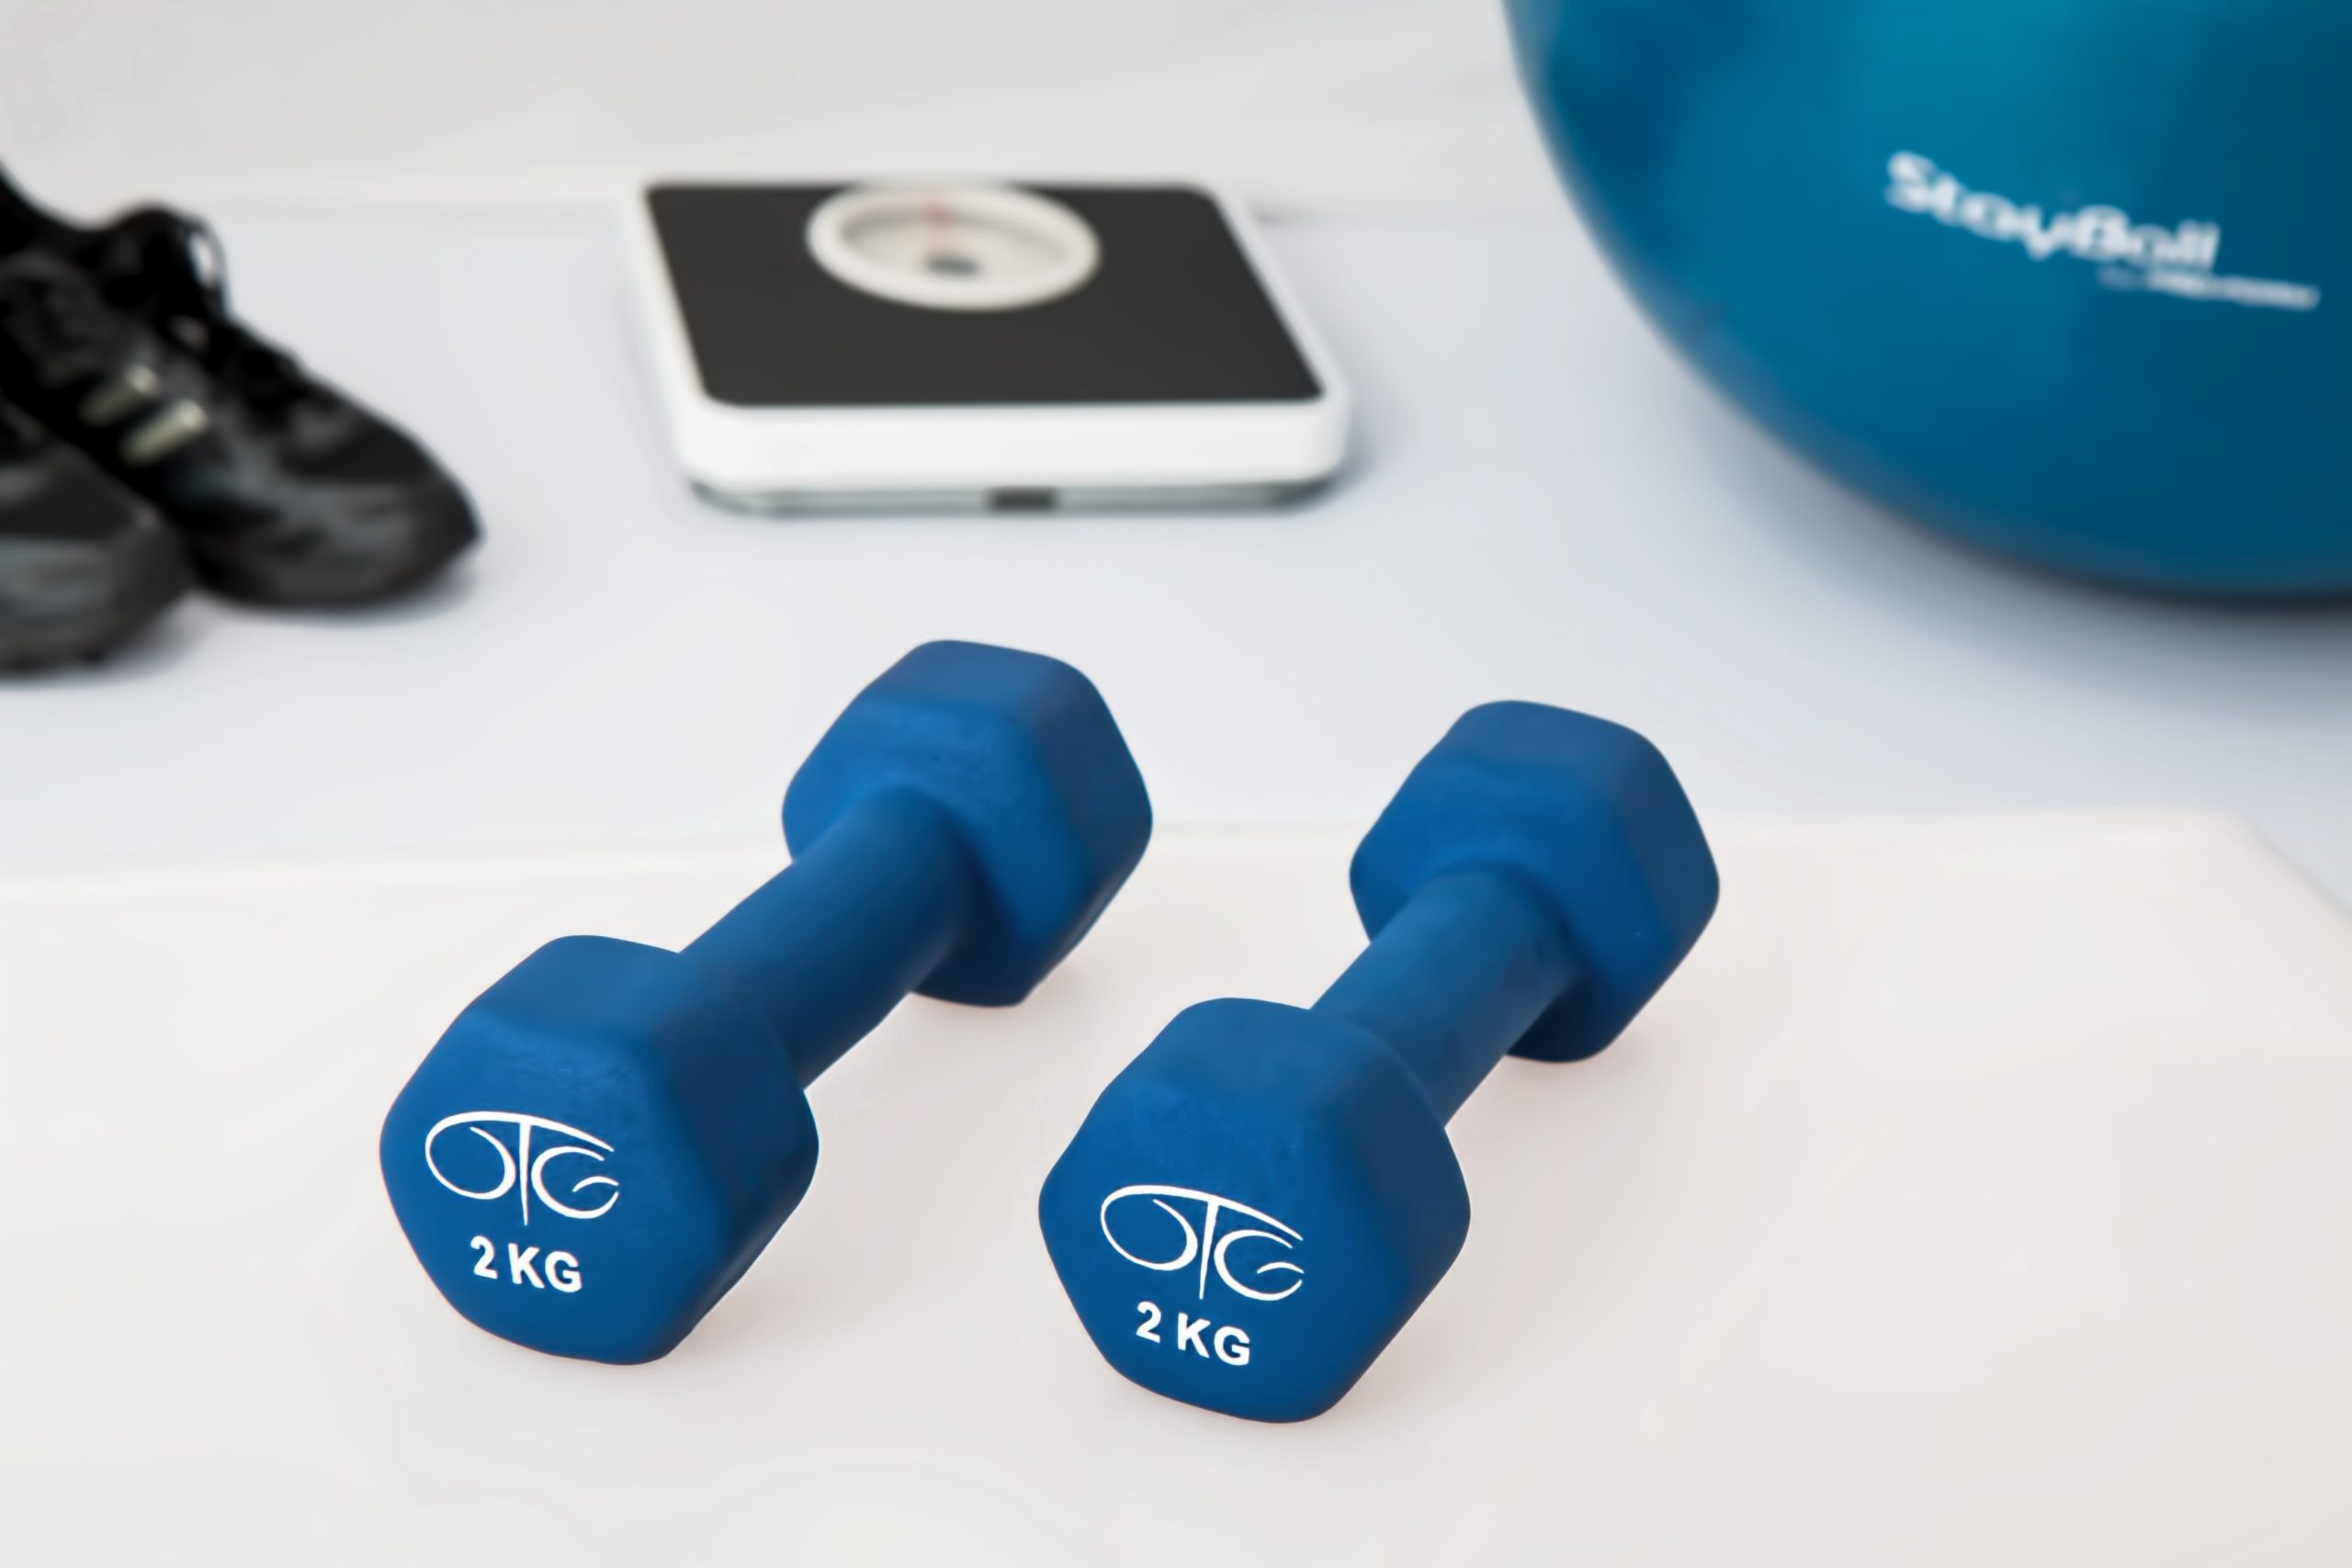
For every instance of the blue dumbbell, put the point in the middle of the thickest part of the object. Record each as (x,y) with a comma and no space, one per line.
(604,1141)
(1256,1205)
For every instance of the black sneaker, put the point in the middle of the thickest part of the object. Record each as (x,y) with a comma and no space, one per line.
(119,339)
(84,564)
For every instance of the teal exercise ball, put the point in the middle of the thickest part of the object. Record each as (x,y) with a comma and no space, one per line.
(2069,279)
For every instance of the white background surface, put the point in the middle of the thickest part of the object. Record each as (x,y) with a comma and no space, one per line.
(1385,106)
(1545,506)
(1975,1194)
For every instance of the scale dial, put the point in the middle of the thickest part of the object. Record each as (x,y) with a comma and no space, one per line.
(961,247)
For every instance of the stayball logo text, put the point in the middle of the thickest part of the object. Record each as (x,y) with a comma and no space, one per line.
(537,1162)
(2181,260)
(1168,1229)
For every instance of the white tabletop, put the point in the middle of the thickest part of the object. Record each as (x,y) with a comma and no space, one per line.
(1841,1257)
(1545,506)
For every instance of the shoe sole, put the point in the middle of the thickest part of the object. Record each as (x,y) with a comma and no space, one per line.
(155,573)
(449,529)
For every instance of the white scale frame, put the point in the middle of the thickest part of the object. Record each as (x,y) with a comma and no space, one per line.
(1064,456)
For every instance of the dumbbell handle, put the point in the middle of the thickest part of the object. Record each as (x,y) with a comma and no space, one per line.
(860,918)
(1456,978)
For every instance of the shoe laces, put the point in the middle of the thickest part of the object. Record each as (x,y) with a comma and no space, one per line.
(61,316)
(169,266)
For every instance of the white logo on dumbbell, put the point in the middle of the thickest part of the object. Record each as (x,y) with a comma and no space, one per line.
(519,1167)
(1203,1244)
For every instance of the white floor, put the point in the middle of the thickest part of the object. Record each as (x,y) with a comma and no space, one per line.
(1546,506)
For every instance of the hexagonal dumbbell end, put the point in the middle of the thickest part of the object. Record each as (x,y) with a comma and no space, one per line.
(1258,1203)
(605,1140)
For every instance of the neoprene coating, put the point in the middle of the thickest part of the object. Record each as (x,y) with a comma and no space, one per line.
(605,1140)
(1264,1196)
